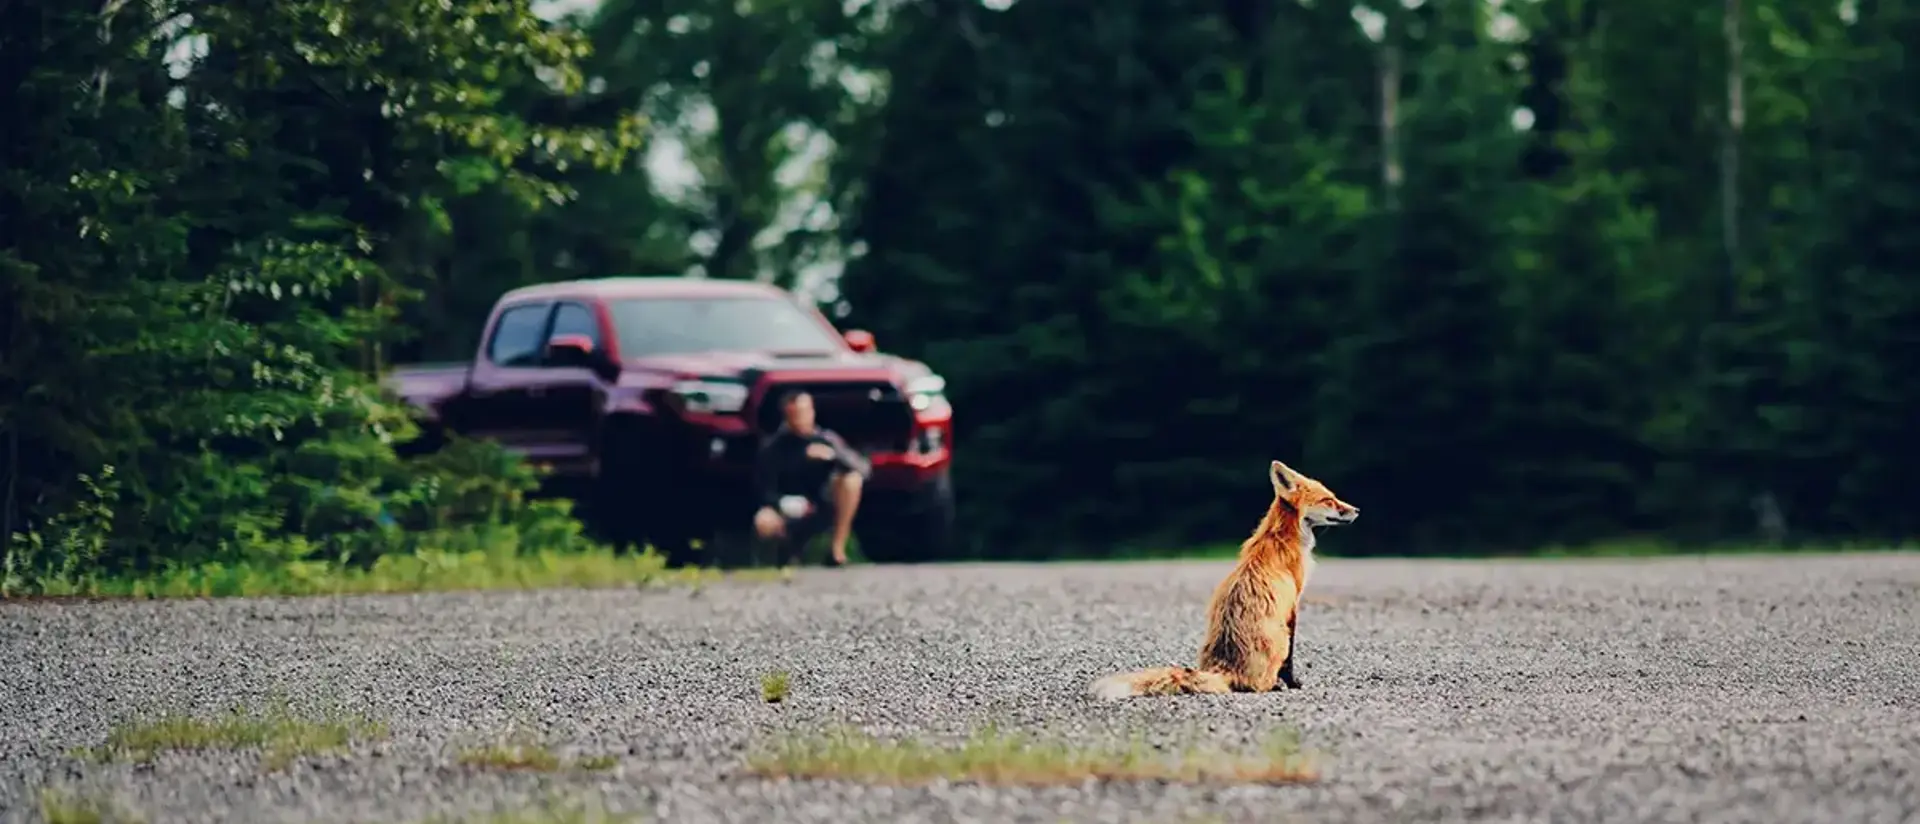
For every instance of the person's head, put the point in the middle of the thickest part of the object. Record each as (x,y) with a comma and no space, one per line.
(799,412)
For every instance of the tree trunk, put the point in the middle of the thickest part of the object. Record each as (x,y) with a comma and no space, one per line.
(1390,171)
(1730,148)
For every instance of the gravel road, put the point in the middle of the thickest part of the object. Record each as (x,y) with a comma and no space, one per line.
(1732,689)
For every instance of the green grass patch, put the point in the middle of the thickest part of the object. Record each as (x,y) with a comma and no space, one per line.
(558,811)
(993,757)
(279,734)
(522,751)
(773,687)
(62,806)
(516,756)
(1622,548)
(424,571)
(531,757)
(761,575)
(596,763)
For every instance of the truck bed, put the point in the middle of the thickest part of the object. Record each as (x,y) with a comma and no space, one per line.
(426,382)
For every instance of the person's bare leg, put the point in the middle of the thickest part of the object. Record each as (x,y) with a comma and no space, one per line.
(846,498)
(772,529)
(768,523)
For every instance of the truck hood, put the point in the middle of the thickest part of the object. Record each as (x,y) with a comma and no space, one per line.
(718,364)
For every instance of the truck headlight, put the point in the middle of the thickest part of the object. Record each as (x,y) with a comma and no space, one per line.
(924,390)
(927,442)
(711,396)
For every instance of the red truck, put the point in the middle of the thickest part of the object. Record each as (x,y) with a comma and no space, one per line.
(649,396)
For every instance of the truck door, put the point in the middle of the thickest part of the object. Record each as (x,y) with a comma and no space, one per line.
(568,400)
(499,405)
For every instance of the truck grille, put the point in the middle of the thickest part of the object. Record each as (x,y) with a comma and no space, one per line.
(872,416)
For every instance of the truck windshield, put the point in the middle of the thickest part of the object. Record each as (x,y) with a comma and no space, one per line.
(671,326)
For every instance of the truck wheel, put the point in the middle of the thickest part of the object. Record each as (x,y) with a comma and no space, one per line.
(678,549)
(917,526)
(635,501)
(668,523)
(730,547)
(631,527)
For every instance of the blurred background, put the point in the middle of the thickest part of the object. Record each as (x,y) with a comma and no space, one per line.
(1509,276)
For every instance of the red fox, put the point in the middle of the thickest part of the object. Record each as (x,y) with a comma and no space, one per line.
(1250,622)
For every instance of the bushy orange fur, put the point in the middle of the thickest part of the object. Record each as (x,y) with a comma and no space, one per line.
(1254,611)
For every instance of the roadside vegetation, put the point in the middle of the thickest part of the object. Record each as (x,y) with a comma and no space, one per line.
(277,733)
(552,811)
(1598,549)
(63,805)
(773,686)
(503,565)
(522,750)
(1628,324)
(996,757)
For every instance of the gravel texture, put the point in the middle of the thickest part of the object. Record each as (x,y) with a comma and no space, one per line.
(1730,689)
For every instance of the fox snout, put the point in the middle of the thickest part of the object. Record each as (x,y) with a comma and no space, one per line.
(1343,513)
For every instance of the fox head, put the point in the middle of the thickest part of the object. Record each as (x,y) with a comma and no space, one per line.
(1317,504)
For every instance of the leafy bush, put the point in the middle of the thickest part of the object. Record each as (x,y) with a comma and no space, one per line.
(199,267)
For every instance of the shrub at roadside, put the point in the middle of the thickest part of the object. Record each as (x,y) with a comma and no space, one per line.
(201,263)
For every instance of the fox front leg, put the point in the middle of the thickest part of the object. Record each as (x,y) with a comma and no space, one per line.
(1287,674)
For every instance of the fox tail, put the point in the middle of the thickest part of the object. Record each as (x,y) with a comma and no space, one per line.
(1158,681)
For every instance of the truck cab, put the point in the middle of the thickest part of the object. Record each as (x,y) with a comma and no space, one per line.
(649,396)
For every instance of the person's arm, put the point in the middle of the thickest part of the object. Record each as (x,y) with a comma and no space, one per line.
(845,456)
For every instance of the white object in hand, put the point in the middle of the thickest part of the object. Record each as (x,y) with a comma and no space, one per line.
(794,506)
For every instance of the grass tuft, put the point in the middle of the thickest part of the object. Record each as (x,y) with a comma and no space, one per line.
(281,735)
(761,575)
(992,757)
(525,752)
(596,763)
(68,807)
(505,567)
(773,687)
(552,812)
(424,571)
(532,757)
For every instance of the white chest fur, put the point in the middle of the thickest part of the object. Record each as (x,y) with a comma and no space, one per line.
(1306,554)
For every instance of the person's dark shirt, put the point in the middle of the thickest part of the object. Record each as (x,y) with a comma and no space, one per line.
(783,466)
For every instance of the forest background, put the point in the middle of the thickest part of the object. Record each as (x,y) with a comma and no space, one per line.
(1508,275)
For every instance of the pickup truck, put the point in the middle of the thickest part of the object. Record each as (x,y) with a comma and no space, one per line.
(650,395)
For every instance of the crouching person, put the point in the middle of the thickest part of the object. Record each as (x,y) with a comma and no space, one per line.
(807,479)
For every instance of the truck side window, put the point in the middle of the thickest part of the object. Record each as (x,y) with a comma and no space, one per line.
(576,319)
(517,338)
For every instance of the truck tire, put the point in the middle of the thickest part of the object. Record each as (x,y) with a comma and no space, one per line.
(917,526)
(667,520)
(732,547)
(635,499)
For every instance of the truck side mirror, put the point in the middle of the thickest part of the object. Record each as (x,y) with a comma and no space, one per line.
(860,339)
(575,350)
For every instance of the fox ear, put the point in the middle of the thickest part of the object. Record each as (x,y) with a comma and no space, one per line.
(1282,477)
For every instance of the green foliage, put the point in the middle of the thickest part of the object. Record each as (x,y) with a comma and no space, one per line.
(1669,304)
(1150,249)
(66,806)
(202,264)
(277,732)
